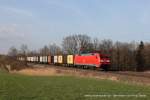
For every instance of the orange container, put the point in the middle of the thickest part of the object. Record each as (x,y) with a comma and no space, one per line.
(49,59)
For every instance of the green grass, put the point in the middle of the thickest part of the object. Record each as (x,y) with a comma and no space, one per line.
(20,87)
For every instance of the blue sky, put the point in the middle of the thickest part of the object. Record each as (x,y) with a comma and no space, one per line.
(40,22)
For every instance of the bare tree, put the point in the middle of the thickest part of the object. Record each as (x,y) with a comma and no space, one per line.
(74,43)
(44,50)
(32,53)
(147,55)
(96,44)
(24,50)
(117,49)
(13,52)
(123,56)
(69,44)
(54,49)
(83,41)
(105,46)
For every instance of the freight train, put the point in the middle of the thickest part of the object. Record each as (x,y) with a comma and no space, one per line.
(94,60)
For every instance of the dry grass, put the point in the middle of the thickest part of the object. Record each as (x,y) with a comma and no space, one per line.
(50,70)
(37,72)
(61,72)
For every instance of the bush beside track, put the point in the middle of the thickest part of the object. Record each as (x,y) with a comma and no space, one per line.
(8,63)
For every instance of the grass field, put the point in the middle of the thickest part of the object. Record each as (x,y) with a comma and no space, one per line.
(21,87)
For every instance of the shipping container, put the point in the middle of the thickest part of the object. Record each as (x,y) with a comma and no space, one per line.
(49,59)
(44,59)
(55,59)
(52,59)
(32,59)
(70,59)
(36,59)
(64,59)
(41,59)
(60,59)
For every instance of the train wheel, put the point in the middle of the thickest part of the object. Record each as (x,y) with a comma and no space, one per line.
(105,68)
(97,68)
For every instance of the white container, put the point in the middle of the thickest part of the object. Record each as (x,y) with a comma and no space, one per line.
(41,59)
(45,59)
(55,59)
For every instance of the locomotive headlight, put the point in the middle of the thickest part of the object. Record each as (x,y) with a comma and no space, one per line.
(102,60)
(107,60)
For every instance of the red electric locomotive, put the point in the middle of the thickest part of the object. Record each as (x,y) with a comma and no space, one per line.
(96,60)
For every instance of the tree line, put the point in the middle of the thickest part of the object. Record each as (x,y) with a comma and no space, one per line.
(124,56)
